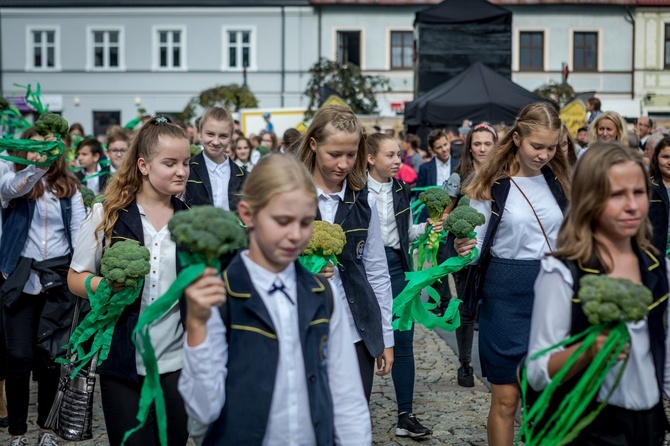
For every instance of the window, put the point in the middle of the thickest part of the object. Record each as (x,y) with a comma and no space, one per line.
(585,49)
(43,49)
(170,48)
(402,47)
(103,119)
(239,49)
(349,47)
(667,46)
(105,49)
(531,51)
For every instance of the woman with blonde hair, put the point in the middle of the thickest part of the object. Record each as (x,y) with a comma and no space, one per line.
(521,189)
(608,127)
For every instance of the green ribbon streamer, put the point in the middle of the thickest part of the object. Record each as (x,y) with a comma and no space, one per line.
(94,175)
(152,393)
(408,307)
(52,149)
(99,323)
(314,263)
(565,424)
(133,123)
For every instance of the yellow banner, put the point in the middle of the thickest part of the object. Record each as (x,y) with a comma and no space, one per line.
(573,115)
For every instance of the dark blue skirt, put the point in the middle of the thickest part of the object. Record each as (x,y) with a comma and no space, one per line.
(504,317)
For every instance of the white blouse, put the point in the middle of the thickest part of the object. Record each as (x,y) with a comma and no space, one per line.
(167,332)
(519,235)
(551,323)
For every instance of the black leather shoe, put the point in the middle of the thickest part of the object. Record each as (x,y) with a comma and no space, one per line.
(466,376)
(409,426)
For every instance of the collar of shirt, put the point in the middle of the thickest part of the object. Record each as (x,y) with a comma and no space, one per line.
(443,164)
(263,279)
(321,193)
(98,169)
(212,166)
(378,187)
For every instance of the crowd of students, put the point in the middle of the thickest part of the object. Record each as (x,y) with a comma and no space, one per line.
(267,353)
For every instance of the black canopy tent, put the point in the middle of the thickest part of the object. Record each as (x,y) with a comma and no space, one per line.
(454,34)
(478,94)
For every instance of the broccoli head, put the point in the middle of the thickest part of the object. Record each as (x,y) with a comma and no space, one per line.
(195,150)
(88,196)
(125,262)
(207,230)
(51,124)
(327,239)
(436,201)
(463,220)
(464,201)
(607,299)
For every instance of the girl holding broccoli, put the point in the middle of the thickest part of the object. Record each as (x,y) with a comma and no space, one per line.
(606,231)
(42,212)
(520,189)
(395,217)
(275,361)
(478,145)
(333,149)
(139,201)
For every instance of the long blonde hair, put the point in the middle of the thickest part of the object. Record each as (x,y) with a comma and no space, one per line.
(590,191)
(502,162)
(339,118)
(127,181)
(275,174)
(619,123)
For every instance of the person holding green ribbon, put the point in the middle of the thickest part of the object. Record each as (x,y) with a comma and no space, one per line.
(521,190)
(139,201)
(42,212)
(605,231)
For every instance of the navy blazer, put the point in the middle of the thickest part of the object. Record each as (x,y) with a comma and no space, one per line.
(659,207)
(199,187)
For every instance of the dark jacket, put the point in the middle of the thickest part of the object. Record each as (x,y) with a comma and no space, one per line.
(102,179)
(401,202)
(659,207)
(354,214)
(253,353)
(199,187)
(120,363)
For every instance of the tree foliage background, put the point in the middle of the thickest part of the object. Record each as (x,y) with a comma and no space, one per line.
(559,94)
(357,89)
(232,97)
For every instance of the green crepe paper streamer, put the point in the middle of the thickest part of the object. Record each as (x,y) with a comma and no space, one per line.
(566,423)
(407,305)
(53,150)
(133,123)
(315,263)
(34,99)
(152,393)
(95,175)
(99,323)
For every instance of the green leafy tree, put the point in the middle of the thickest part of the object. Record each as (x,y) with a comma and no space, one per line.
(357,89)
(559,94)
(232,97)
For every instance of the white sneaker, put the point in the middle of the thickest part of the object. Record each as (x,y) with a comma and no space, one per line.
(46,439)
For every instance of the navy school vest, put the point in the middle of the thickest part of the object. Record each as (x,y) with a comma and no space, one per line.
(354,214)
(120,363)
(253,353)
(16,220)
(401,202)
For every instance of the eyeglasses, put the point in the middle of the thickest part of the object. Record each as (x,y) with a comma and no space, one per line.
(118,151)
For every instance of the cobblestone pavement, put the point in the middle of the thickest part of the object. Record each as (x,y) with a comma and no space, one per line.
(456,415)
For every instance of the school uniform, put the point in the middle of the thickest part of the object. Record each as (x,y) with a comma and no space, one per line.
(246,166)
(96,184)
(122,373)
(395,217)
(277,366)
(214,184)
(35,247)
(511,245)
(362,277)
(634,414)
(659,209)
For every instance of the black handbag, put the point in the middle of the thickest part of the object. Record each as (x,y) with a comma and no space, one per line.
(71,414)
